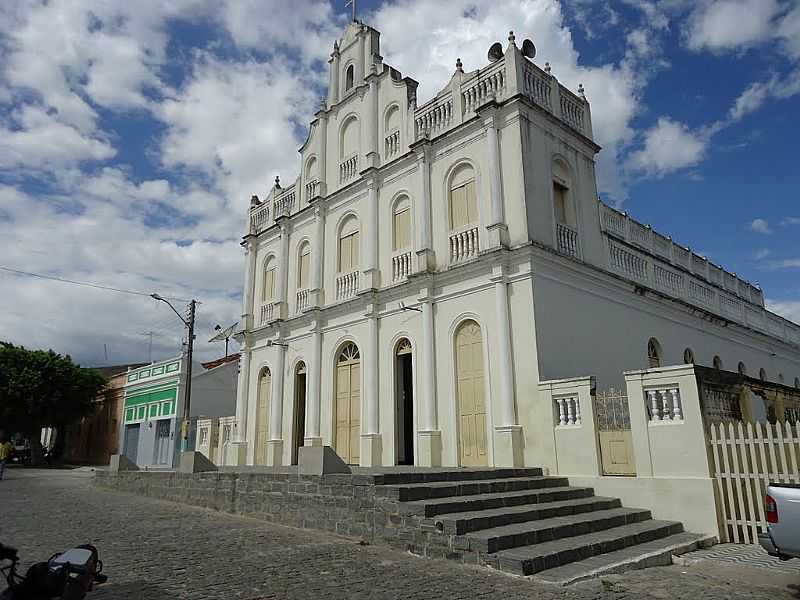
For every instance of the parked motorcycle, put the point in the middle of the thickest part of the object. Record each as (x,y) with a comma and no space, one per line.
(66,575)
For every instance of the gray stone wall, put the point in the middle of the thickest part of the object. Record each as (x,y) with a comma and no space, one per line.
(351,505)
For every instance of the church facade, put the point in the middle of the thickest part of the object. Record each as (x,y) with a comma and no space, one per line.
(434,262)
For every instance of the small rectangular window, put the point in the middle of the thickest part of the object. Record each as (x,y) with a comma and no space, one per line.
(304,271)
(269,285)
(402,229)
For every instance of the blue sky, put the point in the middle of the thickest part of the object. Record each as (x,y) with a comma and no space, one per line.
(132,135)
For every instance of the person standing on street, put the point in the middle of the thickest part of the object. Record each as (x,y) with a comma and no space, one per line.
(5,454)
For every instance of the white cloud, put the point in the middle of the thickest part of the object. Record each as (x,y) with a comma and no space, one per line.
(791,221)
(789,309)
(668,146)
(761,254)
(761,226)
(727,24)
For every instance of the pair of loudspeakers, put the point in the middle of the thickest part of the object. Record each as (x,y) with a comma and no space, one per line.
(496,50)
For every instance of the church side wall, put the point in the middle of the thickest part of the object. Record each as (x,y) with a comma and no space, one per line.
(590,323)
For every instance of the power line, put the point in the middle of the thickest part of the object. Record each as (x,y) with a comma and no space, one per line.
(85,283)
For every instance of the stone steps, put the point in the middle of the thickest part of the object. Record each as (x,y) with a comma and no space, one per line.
(527,560)
(522,522)
(445,489)
(477,502)
(655,553)
(544,530)
(475,520)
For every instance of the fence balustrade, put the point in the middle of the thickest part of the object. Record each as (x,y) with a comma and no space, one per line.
(664,404)
(569,411)
(347,285)
(464,244)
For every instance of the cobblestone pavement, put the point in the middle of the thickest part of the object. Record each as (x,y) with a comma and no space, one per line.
(154,549)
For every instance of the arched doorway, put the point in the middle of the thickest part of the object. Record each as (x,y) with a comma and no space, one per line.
(404,403)
(262,415)
(299,426)
(470,394)
(348,403)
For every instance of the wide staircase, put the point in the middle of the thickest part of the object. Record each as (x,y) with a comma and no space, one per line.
(522,522)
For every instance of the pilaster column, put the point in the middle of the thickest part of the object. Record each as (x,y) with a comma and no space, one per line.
(313,437)
(317,296)
(429,436)
(508,435)
(371,279)
(333,86)
(322,156)
(498,230)
(283,274)
(372,155)
(424,232)
(371,450)
(275,442)
(249,285)
(236,451)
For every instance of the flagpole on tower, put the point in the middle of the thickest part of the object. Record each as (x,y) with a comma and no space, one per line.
(353,4)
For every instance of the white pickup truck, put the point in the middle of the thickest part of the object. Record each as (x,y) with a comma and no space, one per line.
(782,538)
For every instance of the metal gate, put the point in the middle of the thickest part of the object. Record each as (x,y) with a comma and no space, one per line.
(162,442)
(614,433)
(131,442)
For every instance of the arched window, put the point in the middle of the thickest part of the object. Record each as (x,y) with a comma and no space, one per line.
(717,363)
(391,131)
(350,138)
(762,374)
(348,78)
(562,195)
(311,168)
(349,245)
(463,202)
(401,225)
(304,267)
(268,284)
(688,356)
(653,353)
(742,369)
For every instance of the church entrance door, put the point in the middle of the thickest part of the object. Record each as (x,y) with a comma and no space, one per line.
(614,433)
(348,404)
(470,392)
(262,416)
(299,426)
(404,403)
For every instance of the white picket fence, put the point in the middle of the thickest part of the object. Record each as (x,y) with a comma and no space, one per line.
(745,459)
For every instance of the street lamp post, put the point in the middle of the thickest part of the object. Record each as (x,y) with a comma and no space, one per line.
(187,395)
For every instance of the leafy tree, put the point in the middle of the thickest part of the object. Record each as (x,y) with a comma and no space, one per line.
(41,388)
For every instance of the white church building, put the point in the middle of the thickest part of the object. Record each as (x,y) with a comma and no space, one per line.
(434,262)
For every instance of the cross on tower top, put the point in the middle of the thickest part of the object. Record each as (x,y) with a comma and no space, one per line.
(353,4)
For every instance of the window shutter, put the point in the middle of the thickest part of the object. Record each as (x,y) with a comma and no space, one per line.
(458,214)
(269,285)
(304,275)
(344,254)
(471,203)
(402,229)
(355,246)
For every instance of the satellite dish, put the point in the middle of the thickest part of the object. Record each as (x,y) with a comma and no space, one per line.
(528,49)
(495,52)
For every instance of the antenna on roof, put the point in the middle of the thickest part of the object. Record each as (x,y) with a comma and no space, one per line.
(224,334)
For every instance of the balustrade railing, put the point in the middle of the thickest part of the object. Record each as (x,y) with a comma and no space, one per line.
(678,271)
(284,204)
(536,85)
(302,300)
(433,117)
(664,405)
(483,87)
(567,239)
(401,266)
(392,144)
(267,313)
(313,189)
(571,109)
(348,168)
(569,411)
(464,244)
(259,219)
(347,285)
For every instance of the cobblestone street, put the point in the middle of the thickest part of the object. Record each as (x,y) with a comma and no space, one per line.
(154,549)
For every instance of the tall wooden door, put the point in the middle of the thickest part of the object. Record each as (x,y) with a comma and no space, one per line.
(262,416)
(470,393)
(614,433)
(348,404)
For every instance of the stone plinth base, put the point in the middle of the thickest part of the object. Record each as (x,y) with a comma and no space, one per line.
(195,462)
(274,453)
(320,460)
(429,448)
(508,446)
(498,236)
(312,442)
(120,462)
(371,450)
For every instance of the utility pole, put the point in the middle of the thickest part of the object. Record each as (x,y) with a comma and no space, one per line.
(187,398)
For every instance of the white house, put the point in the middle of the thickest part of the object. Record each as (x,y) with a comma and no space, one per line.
(434,262)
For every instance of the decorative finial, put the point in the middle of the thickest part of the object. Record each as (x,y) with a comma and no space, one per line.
(323,102)
(459,65)
(547,68)
(581,91)
(278,181)
(254,201)
(511,38)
